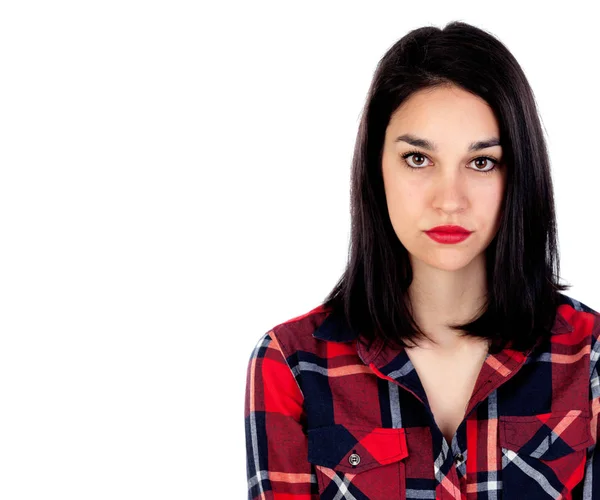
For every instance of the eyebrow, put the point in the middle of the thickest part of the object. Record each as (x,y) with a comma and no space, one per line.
(425,144)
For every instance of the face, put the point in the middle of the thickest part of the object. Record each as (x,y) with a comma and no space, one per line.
(449,183)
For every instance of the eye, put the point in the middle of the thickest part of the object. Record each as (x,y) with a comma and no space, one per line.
(419,162)
(418,159)
(484,159)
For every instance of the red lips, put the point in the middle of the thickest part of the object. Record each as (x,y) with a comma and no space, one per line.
(448,229)
(448,234)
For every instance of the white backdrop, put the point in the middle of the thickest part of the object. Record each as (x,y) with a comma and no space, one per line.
(175,182)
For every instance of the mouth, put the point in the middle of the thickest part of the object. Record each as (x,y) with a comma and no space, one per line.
(448,234)
(449,229)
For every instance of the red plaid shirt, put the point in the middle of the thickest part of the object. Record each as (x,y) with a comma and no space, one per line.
(326,418)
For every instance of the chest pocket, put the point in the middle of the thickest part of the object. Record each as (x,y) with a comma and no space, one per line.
(543,456)
(367,462)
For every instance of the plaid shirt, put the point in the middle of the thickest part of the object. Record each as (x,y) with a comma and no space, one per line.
(325,418)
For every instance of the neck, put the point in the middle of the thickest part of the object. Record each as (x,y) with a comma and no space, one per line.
(440,297)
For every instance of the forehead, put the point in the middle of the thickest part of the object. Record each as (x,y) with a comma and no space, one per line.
(445,114)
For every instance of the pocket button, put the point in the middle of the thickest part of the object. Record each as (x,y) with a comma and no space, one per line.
(354,459)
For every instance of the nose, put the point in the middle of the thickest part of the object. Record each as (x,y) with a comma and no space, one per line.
(449,191)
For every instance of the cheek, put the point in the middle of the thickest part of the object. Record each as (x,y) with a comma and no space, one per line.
(491,198)
(398,186)
(404,197)
(488,206)
(404,204)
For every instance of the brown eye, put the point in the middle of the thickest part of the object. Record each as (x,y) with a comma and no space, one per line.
(419,159)
(414,159)
(480,164)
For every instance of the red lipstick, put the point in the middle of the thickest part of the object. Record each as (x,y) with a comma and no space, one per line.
(448,234)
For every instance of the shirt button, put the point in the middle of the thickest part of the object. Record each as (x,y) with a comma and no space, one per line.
(354,459)
(458,458)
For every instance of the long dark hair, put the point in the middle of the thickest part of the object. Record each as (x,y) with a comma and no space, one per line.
(522,261)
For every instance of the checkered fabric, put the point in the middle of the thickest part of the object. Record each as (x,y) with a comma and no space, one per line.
(326,418)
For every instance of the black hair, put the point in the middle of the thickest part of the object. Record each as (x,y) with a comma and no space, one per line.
(522,261)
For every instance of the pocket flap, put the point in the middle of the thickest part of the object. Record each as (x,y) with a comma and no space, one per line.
(546,436)
(355,449)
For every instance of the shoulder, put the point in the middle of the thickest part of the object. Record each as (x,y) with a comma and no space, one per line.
(583,326)
(576,305)
(298,334)
(579,316)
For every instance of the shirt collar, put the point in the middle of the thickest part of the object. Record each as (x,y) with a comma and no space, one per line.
(394,364)
(334,329)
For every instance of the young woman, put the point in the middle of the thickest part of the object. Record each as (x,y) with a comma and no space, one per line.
(446,363)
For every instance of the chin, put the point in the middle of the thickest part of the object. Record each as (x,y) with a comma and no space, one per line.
(456,262)
(449,266)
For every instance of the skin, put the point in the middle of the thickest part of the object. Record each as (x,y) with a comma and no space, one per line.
(449,280)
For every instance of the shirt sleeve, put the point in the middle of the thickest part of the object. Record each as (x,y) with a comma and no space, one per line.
(591,480)
(276,442)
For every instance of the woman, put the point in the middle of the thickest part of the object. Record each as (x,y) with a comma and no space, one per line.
(445,364)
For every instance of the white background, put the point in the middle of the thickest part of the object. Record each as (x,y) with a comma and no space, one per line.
(175,182)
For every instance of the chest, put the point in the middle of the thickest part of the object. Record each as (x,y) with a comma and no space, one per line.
(448,381)
(369,433)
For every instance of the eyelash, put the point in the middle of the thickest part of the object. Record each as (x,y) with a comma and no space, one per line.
(490,158)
